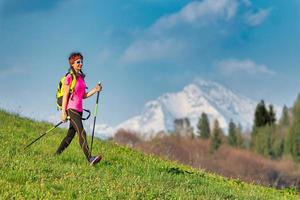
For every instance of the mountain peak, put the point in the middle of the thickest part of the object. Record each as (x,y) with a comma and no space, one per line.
(197,97)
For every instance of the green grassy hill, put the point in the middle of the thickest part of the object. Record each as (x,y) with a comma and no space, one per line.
(122,174)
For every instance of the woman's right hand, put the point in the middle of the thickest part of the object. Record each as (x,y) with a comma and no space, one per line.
(63,116)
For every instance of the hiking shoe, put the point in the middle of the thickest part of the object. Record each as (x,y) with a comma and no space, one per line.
(95,159)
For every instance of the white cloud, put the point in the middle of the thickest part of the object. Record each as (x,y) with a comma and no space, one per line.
(166,36)
(198,12)
(145,50)
(231,66)
(257,18)
(247,2)
(154,47)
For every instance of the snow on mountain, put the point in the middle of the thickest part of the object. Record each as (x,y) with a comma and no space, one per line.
(200,96)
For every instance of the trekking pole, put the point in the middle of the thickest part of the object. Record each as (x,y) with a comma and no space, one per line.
(51,129)
(95,116)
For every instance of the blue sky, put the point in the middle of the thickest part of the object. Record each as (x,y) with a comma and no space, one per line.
(140,49)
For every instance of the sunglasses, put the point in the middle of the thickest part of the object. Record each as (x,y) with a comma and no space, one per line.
(79,62)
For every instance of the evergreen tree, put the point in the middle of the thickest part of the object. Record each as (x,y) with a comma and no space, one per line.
(203,126)
(232,137)
(278,143)
(281,132)
(271,115)
(293,139)
(261,137)
(261,117)
(263,141)
(216,137)
(239,137)
(285,119)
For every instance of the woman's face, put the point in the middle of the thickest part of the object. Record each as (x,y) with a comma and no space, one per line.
(77,65)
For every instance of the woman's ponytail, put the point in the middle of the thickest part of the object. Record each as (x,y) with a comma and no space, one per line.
(82,74)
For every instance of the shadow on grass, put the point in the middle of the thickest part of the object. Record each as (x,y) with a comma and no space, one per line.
(177,171)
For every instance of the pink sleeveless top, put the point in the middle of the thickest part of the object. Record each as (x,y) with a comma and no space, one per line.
(75,98)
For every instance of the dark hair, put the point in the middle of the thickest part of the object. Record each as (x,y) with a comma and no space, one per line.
(74,56)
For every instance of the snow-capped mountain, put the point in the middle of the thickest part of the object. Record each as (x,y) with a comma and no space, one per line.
(200,96)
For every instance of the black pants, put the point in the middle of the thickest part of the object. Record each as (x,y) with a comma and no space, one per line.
(75,126)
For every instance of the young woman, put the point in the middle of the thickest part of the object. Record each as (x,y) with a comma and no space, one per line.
(72,107)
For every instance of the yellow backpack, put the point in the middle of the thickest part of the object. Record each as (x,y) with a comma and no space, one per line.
(60,89)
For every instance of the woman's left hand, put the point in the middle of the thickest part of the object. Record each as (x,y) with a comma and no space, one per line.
(98,88)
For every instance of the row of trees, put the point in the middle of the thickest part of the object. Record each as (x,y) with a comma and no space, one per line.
(270,137)
(275,139)
(234,137)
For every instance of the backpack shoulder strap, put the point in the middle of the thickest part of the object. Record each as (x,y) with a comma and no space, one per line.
(74,79)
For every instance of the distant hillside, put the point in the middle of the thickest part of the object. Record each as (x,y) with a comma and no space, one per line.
(123,173)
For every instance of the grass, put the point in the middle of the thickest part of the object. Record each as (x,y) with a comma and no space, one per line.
(122,174)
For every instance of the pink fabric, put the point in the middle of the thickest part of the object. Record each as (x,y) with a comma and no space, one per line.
(75,99)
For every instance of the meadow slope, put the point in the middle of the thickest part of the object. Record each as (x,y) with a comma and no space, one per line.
(122,174)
